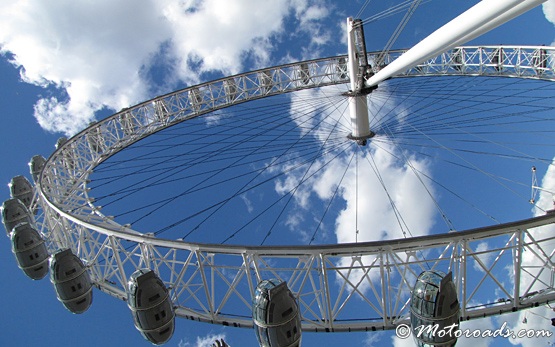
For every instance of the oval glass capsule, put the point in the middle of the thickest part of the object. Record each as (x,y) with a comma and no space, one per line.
(152,308)
(433,308)
(276,316)
(30,251)
(14,212)
(71,280)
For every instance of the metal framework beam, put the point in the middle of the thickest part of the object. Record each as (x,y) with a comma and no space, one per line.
(214,283)
(481,18)
(358,69)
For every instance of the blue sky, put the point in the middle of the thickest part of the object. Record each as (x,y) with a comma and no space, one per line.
(63,64)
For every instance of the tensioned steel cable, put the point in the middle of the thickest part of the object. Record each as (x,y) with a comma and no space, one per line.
(432,113)
(206,156)
(205,180)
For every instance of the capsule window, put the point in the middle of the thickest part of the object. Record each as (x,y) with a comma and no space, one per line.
(139,292)
(160,315)
(440,305)
(154,297)
(287,312)
(288,334)
(72,271)
(165,331)
(271,313)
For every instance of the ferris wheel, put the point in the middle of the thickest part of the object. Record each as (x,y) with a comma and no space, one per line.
(196,203)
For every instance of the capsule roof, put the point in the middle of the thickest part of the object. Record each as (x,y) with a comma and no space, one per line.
(61,142)
(36,165)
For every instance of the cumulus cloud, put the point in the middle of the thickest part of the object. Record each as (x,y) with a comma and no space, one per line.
(484,257)
(538,318)
(549,11)
(383,199)
(108,55)
(535,320)
(391,183)
(92,52)
(392,197)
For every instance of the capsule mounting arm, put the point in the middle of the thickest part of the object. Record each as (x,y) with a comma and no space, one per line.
(359,71)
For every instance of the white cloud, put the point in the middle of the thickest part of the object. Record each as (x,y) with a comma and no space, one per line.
(538,318)
(101,54)
(381,200)
(216,34)
(485,258)
(392,197)
(388,187)
(374,339)
(91,50)
(549,12)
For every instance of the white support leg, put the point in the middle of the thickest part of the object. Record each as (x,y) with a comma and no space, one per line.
(358,106)
(479,19)
(360,127)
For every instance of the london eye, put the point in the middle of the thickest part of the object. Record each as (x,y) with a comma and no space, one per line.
(298,174)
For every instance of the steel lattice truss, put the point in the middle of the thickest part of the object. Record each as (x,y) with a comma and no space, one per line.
(364,286)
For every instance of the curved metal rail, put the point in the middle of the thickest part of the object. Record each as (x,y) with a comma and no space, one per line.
(215,283)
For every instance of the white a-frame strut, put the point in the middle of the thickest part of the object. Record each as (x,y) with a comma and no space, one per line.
(479,19)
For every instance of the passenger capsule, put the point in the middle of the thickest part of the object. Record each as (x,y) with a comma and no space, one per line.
(149,301)
(15,212)
(21,188)
(433,308)
(61,141)
(71,280)
(36,165)
(30,251)
(277,322)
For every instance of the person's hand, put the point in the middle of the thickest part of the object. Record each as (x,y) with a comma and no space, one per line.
(220,343)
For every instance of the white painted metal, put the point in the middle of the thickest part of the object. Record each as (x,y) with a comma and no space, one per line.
(352,54)
(214,283)
(482,17)
(358,103)
(514,12)
(358,110)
